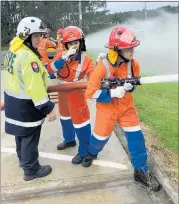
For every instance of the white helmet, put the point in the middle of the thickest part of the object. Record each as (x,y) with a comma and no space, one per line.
(29,25)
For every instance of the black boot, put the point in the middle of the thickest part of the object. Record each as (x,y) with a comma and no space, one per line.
(77,159)
(64,145)
(87,161)
(147,179)
(43,171)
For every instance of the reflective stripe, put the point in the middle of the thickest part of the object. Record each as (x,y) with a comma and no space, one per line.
(18,96)
(79,68)
(53,67)
(41,102)
(96,94)
(100,137)
(22,94)
(105,62)
(65,118)
(19,72)
(24,124)
(131,129)
(82,124)
(129,67)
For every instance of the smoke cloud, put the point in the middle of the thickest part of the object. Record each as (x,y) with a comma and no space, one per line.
(158,51)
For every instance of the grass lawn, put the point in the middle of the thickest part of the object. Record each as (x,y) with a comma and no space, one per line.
(157,105)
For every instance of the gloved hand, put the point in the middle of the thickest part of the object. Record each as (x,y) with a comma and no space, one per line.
(119,92)
(68,53)
(128,86)
(100,56)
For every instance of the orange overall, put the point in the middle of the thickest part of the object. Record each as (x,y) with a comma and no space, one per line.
(43,46)
(112,110)
(120,110)
(73,108)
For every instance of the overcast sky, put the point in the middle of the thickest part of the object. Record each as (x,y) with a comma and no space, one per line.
(133,6)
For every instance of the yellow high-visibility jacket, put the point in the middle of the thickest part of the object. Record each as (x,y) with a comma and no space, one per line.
(25,91)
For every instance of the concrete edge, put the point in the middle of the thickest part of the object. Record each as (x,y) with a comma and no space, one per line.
(160,175)
(65,186)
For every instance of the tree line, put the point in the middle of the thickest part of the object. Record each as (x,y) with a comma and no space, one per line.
(61,14)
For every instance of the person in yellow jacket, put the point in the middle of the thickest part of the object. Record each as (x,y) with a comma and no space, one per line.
(25,96)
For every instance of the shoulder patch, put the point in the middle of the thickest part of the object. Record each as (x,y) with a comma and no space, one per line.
(35,66)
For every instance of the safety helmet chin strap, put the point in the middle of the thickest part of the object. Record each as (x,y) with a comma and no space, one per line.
(120,54)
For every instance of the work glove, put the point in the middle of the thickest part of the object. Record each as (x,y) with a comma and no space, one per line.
(119,92)
(128,86)
(100,56)
(68,53)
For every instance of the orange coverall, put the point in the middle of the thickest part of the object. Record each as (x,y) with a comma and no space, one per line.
(73,107)
(111,110)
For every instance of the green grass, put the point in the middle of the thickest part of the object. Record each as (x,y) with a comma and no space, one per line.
(93,55)
(157,105)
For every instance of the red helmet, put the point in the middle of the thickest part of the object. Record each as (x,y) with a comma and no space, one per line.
(122,38)
(60,31)
(72,33)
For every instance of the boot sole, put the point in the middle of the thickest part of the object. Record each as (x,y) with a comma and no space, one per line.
(88,165)
(76,163)
(84,165)
(144,186)
(35,176)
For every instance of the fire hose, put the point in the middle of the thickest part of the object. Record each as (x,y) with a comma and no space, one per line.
(60,88)
(67,87)
(108,83)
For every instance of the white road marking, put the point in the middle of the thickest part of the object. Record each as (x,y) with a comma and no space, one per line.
(69,158)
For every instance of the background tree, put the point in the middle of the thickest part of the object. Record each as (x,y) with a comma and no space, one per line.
(57,14)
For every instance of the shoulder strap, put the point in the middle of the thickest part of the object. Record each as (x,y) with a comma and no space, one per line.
(130,69)
(105,62)
(79,68)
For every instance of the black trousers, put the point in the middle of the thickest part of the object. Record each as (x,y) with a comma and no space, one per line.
(27,151)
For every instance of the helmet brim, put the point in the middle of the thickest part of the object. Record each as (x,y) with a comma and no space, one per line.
(135,44)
